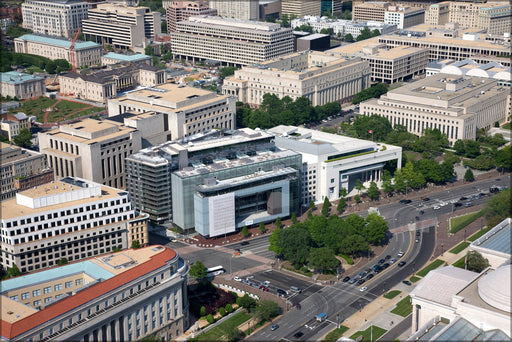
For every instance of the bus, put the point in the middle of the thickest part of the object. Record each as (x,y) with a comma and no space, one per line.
(213,271)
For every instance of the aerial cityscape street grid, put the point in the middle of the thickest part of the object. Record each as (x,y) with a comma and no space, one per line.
(255,170)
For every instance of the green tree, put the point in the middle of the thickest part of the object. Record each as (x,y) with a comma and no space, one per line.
(304,28)
(325,206)
(460,147)
(349,37)
(262,228)
(151,338)
(227,71)
(62,261)
(343,192)
(295,243)
(135,244)
(210,319)
(246,302)
(109,47)
(498,208)
(202,311)
(245,232)
(274,244)
(376,228)
(278,222)
(198,270)
(365,33)
(222,312)
(359,186)
(266,310)
(357,198)
(229,308)
(285,20)
(354,245)
(468,176)
(13,271)
(24,138)
(323,259)
(149,50)
(341,205)
(503,158)
(378,125)
(311,204)
(476,262)
(163,26)
(373,191)
(294,218)
(471,148)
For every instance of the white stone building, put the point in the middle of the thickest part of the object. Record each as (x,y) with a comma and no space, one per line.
(55,18)
(21,85)
(236,9)
(332,162)
(318,76)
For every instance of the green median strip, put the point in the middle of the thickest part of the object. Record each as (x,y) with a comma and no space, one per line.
(403,308)
(459,248)
(435,264)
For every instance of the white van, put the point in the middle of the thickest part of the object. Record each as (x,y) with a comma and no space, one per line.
(295,289)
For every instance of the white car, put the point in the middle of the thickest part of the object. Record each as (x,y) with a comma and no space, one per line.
(453,201)
(364,288)
(266,283)
(442,204)
(436,207)
(237,279)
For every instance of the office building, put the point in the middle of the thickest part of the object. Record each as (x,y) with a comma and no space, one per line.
(236,9)
(468,306)
(404,16)
(103,84)
(71,218)
(332,6)
(388,65)
(21,169)
(55,18)
(21,86)
(87,53)
(451,46)
(493,17)
(185,110)
(230,41)
(216,182)
(456,105)
(90,149)
(318,76)
(121,296)
(12,124)
(270,9)
(332,162)
(341,27)
(122,26)
(469,67)
(495,245)
(115,58)
(300,8)
(315,42)
(177,11)
(369,10)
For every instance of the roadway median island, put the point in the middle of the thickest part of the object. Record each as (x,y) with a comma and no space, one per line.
(372,333)
(403,308)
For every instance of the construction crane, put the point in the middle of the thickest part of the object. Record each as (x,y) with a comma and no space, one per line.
(72,52)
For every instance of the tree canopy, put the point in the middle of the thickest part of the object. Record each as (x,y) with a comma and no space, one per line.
(368,93)
(198,270)
(23,139)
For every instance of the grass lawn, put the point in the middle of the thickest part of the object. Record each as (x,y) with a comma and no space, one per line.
(507,126)
(371,333)
(335,334)
(403,307)
(220,330)
(478,234)
(411,156)
(32,69)
(35,107)
(457,223)
(433,265)
(460,247)
(460,263)
(392,294)
(414,279)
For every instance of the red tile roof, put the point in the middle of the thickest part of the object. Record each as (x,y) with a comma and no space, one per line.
(9,330)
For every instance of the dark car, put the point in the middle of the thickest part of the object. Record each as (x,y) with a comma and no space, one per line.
(361,281)
(381,261)
(401,263)
(298,334)
(281,292)
(369,276)
(377,268)
(463,198)
(422,212)
(418,233)
(458,204)
(346,279)
(405,201)
(297,306)
(274,327)
(244,243)
(426,199)
(386,265)
(388,257)
(407,282)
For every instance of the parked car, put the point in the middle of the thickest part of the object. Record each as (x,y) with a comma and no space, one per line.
(362,274)
(405,201)
(281,292)
(361,281)
(346,279)
(463,198)
(386,265)
(401,263)
(392,261)
(274,327)
(369,276)
(387,257)
(407,282)
(352,281)
(237,279)
(468,204)
(381,261)
(458,204)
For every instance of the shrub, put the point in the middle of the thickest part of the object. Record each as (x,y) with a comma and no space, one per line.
(229,308)
(210,318)
(202,311)
(222,312)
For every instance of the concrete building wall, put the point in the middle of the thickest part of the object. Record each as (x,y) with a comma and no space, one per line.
(25,90)
(300,8)
(237,9)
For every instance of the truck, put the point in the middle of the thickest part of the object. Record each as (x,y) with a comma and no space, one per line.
(321,317)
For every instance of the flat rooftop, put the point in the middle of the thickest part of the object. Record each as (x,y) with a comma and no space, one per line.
(127,58)
(90,131)
(14,77)
(235,23)
(12,209)
(498,239)
(60,42)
